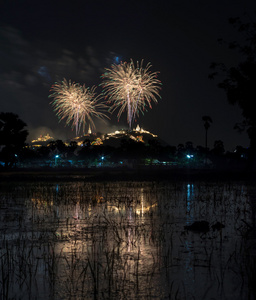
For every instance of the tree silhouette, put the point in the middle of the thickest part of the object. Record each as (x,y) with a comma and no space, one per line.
(154,149)
(239,81)
(207,123)
(58,146)
(12,137)
(218,148)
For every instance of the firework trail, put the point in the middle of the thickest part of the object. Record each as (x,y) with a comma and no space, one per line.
(77,104)
(132,88)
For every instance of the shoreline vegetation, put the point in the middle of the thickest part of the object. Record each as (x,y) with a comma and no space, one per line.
(126,240)
(124,174)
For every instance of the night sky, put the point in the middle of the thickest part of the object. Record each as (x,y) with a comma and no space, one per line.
(42,42)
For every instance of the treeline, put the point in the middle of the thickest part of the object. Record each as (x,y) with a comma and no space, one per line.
(14,152)
(129,154)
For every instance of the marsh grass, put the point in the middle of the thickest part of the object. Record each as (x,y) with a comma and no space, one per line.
(112,240)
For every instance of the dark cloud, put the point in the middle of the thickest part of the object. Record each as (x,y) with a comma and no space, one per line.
(28,71)
(43,71)
(26,63)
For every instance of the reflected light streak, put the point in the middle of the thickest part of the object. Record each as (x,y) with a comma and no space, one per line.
(189,202)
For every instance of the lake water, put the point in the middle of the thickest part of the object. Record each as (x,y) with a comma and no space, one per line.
(126,240)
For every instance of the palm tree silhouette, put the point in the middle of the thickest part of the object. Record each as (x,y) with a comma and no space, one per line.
(207,123)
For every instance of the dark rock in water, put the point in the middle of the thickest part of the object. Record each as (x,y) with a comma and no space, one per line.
(199,226)
(217,226)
